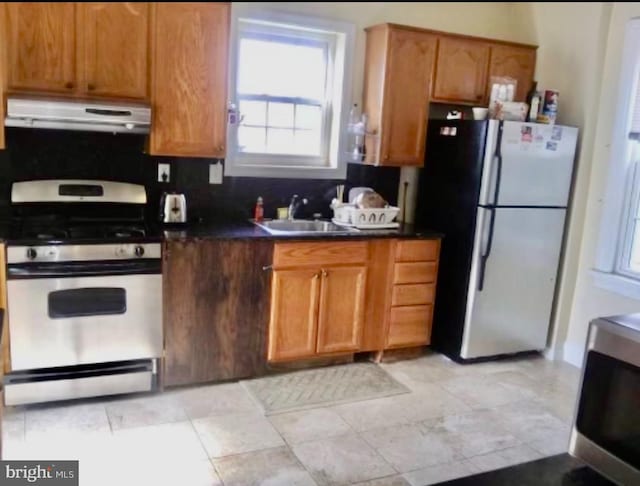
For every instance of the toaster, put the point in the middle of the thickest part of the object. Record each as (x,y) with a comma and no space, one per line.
(173,208)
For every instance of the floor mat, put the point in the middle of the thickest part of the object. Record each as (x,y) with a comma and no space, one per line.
(299,390)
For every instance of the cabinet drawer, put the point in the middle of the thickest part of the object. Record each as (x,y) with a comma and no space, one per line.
(319,254)
(418,272)
(410,326)
(416,250)
(413,294)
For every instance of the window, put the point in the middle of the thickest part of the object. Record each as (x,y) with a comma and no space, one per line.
(291,87)
(618,259)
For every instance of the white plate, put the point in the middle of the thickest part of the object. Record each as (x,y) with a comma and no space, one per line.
(392,225)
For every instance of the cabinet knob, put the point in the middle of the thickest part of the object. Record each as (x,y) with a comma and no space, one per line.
(479,97)
(325,274)
(91,87)
(267,268)
(220,148)
(386,157)
(69,85)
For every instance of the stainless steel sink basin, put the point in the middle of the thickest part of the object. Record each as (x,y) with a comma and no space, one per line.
(301,226)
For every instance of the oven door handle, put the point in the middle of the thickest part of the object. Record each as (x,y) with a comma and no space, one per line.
(83,269)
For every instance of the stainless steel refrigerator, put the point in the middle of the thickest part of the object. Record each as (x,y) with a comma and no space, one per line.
(499,193)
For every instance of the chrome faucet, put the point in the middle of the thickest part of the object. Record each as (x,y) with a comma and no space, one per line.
(294,205)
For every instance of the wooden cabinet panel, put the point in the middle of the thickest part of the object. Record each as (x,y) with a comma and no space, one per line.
(41,46)
(406,98)
(319,253)
(410,326)
(417,272)
(341,309)
(294,312)
(189,79)
(216,308)
(461,70)
(515,62)
(413,294)
(113,44)
(417,250)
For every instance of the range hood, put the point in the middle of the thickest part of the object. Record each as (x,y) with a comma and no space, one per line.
(68,114)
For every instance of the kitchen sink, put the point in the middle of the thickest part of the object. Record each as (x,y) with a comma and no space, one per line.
(301,226)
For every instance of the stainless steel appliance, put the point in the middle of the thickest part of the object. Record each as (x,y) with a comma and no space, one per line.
(69,114)
(606,430)
(173,208)
(84,291)
(499,192)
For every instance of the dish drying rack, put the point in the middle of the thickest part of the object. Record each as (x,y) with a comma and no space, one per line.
(349,215)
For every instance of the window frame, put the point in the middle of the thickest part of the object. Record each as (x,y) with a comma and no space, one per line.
(339,73)
(610,271)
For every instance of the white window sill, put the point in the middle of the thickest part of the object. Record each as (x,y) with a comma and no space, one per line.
(286,172)
(618,284)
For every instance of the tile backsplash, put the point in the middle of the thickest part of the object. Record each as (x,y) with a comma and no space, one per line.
(46,154)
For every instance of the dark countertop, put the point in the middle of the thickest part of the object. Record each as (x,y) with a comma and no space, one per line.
(229,231)
(560,470)
(247,230)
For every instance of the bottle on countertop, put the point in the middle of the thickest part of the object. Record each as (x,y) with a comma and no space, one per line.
(533,100)
(258,213)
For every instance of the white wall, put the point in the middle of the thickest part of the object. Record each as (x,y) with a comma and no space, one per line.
(590,301)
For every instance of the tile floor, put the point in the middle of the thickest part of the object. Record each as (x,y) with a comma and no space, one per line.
(457,420)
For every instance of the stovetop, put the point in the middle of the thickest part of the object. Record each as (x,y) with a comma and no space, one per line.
(29,233)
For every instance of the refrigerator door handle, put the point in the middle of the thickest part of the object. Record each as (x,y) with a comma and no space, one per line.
(497,157)
(484,256)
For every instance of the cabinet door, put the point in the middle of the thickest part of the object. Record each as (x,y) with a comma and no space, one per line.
(41,46)
(515,62)
(189,79)
(341,309)
(113,46)
(405,105)
(461,70)
(294,313)
(216,310)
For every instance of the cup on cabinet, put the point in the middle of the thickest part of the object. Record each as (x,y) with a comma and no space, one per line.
(479,113)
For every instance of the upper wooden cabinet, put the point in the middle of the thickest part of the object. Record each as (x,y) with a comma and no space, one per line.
(396,94)
(461,70)
(189,79)
(399,66)
(113,45)
(515,62)
(41,49)
(79,49)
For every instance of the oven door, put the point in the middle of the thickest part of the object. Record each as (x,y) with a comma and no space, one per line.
(65,321)
(606,432)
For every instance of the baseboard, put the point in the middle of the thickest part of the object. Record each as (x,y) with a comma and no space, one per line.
(573,353)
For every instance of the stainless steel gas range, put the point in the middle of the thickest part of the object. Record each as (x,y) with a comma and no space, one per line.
(84,285)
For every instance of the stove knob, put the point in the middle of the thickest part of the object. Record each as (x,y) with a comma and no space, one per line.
(31,254)
(139,251)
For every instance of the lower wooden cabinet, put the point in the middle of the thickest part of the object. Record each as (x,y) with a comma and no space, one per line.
(341,309)
(294,314)
(316,308)
(409,326)
(216,309)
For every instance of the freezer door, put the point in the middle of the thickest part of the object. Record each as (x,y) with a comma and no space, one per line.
(509,300)
(535,166)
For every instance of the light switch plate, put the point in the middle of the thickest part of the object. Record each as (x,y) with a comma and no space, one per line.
(164,172)
(215,173)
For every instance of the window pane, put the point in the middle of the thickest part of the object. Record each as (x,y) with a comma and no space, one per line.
(251,139)
(277,68)
(279,141)
(253,112)
(308,116)
(281,115)
(307,142)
